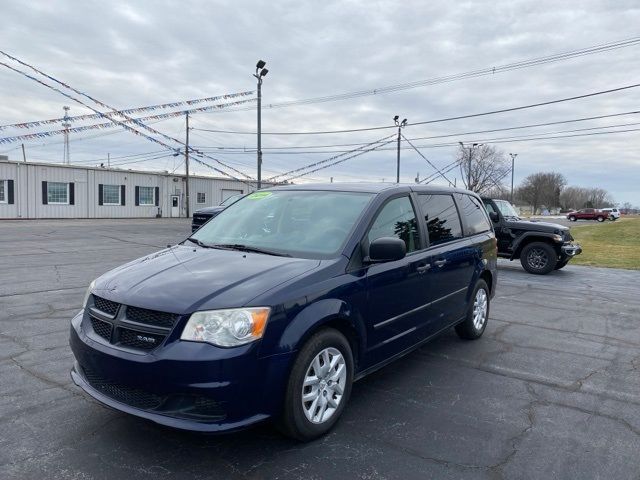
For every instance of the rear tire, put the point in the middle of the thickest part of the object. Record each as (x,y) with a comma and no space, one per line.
(538,258)
(317,390)
(475,322)
(600,219)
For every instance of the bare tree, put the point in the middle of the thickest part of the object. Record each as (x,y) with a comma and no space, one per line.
(488,167)
(600,198)
(542,188)
(580,197)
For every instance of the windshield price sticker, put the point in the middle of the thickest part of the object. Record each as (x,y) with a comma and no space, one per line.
(259,195)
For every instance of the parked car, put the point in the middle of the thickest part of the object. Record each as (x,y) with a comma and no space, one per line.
(614,213)
(239,324)
(541,247)
(203,215)
(588,214)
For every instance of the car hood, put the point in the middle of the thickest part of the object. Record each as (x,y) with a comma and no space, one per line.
(209,210)
(536,226)
(183,279)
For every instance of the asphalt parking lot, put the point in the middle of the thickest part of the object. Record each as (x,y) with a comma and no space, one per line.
(552,390)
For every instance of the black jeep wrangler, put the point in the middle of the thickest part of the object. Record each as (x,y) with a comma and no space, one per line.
(540,246)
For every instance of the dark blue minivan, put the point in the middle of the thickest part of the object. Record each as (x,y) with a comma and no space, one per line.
(274,308)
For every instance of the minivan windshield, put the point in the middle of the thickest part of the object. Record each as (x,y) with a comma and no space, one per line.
(297,223)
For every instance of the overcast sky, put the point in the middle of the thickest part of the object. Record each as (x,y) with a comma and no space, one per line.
(139,53)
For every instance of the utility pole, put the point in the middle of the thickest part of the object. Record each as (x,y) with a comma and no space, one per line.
(471,149)
(186,163)
(66,124)
(513,158)
(260,72)
(24,155)
(400,126)
(108,160)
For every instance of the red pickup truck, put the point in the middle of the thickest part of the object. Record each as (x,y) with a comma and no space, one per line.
(588,214)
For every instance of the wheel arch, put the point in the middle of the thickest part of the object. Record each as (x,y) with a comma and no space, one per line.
(326,313)
(526,239)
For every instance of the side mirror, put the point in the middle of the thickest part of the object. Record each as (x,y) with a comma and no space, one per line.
(494,217)
(387,249)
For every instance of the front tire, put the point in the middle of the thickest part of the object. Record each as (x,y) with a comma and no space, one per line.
(572,218)
(538,258)
(319,386)
(477,314)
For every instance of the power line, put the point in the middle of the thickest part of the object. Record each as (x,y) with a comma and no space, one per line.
(439,120)
(124,125)
(455,143)
(342,160)
(458,134)
(427,160)
(489,71)
(330,159)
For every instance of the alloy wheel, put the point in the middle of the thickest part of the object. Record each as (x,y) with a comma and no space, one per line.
(480,304)
(537,259)
(324,385)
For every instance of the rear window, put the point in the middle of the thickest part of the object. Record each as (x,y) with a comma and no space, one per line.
(474,214)
(441,218)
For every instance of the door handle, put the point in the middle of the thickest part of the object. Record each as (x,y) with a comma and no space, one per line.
(440,263)
(423,268)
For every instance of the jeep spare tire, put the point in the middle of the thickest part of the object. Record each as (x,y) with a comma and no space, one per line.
(539,258)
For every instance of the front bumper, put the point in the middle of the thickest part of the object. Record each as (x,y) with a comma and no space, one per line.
(571,250)
(185,385)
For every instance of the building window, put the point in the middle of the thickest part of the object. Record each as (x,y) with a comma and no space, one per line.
(3,191)
(146,196)
(57,193)
(202,198)
(111,194)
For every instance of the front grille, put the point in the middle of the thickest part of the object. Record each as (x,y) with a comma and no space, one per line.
(101,328)
(134,397)
(139,340)
(151,317)
(106,306)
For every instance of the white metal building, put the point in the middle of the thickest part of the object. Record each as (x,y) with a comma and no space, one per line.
(46,190)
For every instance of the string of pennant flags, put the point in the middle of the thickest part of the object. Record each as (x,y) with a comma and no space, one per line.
(119,122)
(149,108)
(100,126)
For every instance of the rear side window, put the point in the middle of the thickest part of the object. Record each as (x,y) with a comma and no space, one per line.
(474,215)
(397,219)
(441,218)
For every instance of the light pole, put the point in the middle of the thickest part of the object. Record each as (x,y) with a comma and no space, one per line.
(400,125)
(513,163)
(260,72)
(471,149)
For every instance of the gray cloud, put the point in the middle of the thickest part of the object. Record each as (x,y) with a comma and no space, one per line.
(146,52)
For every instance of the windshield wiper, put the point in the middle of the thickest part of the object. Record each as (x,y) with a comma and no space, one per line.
(247,248)
(199,243)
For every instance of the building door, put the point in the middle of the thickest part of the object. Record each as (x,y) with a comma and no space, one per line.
(175,206)
(226,193)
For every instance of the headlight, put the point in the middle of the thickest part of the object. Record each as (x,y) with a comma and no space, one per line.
(227,328)
(558,238)
(86,295)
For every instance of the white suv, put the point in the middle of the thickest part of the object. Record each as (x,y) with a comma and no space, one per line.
(614,213)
